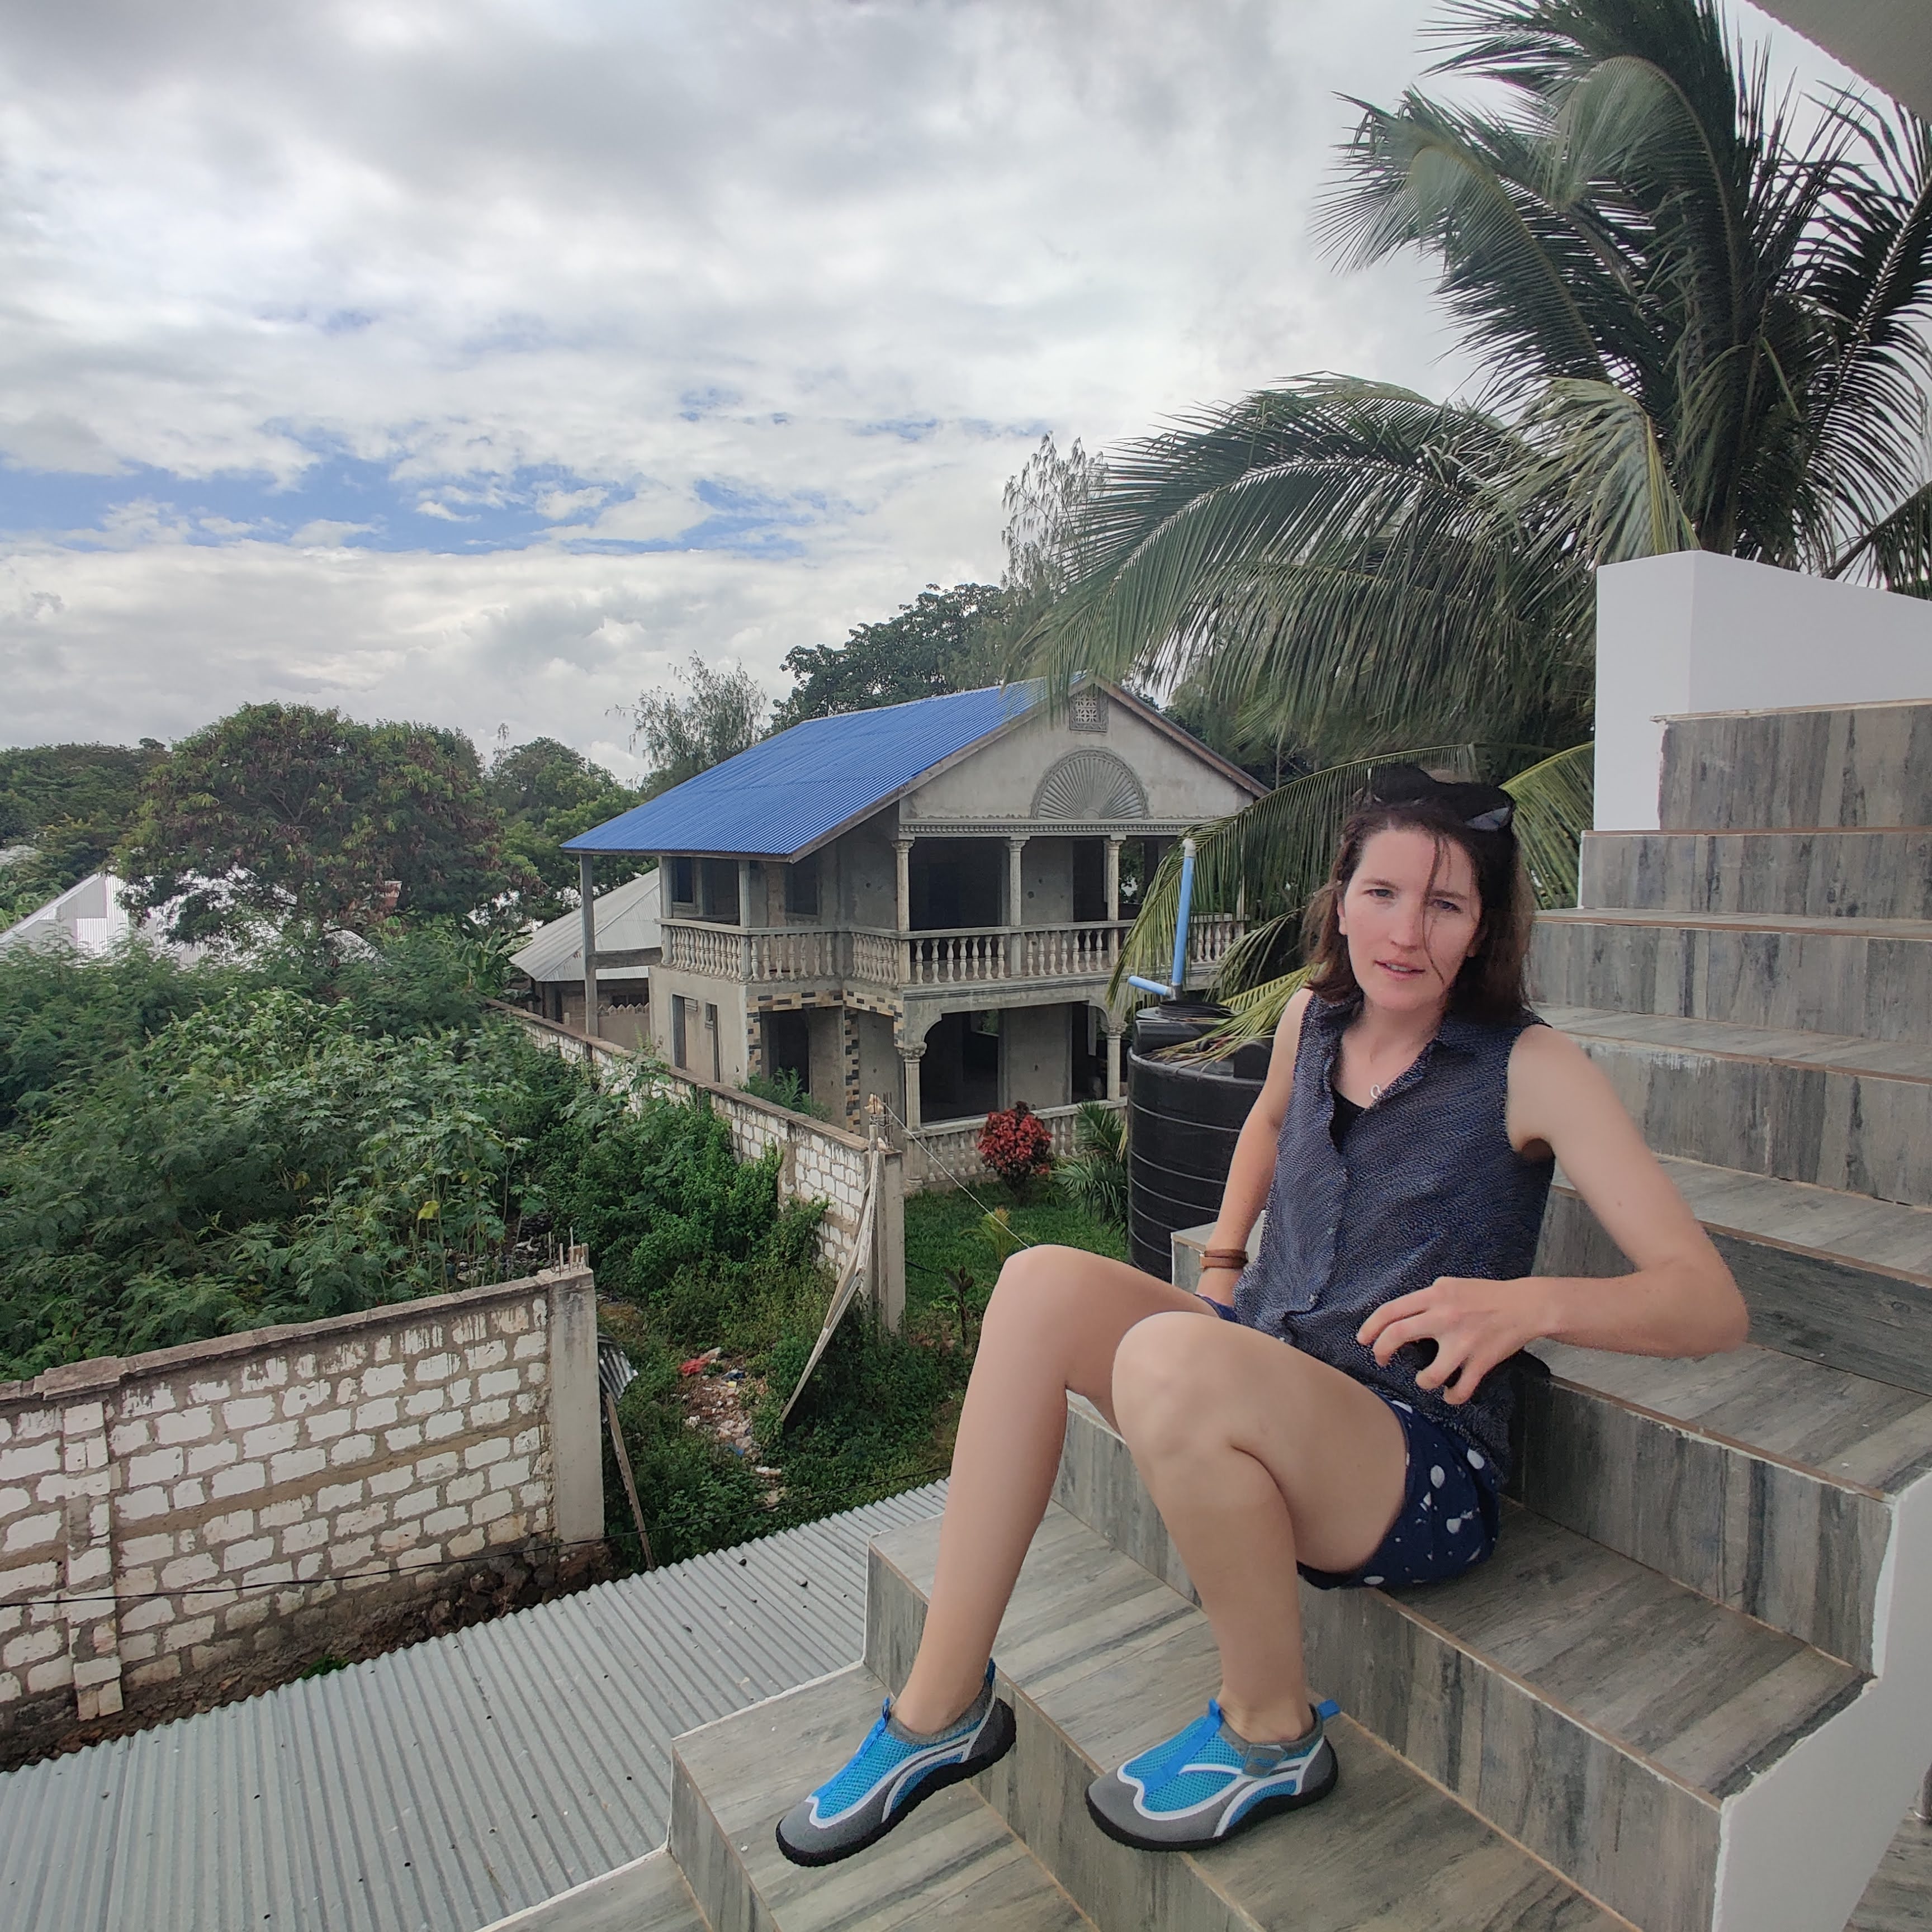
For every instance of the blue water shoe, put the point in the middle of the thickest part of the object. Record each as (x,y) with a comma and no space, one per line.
(1209,1782)
(889,1773)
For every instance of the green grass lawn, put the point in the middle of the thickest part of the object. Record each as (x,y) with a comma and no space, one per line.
(942,1231)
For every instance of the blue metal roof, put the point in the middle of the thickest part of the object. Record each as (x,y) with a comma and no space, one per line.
(792,792)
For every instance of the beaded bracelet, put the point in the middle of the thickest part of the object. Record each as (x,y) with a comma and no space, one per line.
(1225,1258)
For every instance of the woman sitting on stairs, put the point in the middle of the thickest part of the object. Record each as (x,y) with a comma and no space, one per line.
(1331,1409)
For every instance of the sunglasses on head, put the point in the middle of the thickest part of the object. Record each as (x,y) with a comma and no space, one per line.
(1482,808)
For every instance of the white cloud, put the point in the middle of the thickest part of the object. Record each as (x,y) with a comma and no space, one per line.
(804,284)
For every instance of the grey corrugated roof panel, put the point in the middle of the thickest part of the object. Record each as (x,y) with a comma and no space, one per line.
(441,1787)
(627,922)
(788,793)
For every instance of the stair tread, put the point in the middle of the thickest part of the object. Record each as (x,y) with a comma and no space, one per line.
(955,1857)
(1833,1052)
(1854,1229)
(1704,1694)
(1843,1427)
(1113,1660)
(649,1895)
(1919,929)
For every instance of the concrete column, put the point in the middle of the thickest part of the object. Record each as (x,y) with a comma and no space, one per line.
(902,853)
(1114,877)
(744,893)
(888,1279)
(909,1056)
(1114,1030)
(576,1445)
(588,912)
(1015,884)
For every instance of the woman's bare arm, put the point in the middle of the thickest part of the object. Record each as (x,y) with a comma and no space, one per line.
(1679,1300)
(1253,1167)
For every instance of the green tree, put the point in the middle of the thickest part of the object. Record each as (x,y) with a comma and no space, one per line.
(63,809)
(1697,325)
(944,640)
(545,793)
(720,714)
(289,815)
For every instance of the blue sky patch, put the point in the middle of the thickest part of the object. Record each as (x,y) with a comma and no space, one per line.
(344,499)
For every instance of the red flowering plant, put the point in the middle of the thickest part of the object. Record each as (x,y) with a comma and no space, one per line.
(1016,1145)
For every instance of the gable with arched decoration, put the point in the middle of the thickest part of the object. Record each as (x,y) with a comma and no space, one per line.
(1090,783)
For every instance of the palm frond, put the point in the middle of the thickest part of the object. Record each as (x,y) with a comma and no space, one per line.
(1601,454)
(1555,806)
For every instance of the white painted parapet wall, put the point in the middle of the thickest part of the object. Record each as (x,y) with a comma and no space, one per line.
(1695,632)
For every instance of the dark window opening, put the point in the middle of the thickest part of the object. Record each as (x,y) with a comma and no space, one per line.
(680,1048)
(959,1073)
(711,1027)
(801,888)
(788,1047)
(718,886)
(1090,878)
(683,882)
(958,883)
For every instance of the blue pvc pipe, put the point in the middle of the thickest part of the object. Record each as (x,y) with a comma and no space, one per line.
(1179,976)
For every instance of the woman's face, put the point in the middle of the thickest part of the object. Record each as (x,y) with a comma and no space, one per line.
(1411,917)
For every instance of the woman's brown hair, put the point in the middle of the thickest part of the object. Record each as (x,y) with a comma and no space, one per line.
(1489,985)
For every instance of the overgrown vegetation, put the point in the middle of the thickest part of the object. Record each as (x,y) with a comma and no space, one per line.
(189,1151)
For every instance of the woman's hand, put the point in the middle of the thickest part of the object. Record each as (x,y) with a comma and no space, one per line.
(1224,1280)
(1475,1325)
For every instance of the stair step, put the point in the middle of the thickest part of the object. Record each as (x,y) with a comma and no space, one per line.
(1598,1712)
(954,1859)
(1871,978)
(1101,1660)
(1837,1112)
(648,1895)
(1858,764)
(1759,1480)
(1882,872)
(1833,1277)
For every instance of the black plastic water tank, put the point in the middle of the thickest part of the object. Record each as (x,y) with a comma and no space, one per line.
(1183,1118)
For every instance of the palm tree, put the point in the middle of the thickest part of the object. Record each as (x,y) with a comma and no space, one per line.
(1696,326)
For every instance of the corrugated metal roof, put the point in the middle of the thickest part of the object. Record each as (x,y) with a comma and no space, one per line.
(627,922)
(788,793)
(441,1787)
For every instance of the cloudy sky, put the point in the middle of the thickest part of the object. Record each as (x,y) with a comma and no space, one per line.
(476,361)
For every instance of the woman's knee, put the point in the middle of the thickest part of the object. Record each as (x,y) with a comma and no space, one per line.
(1037,1287)
(1165,1373)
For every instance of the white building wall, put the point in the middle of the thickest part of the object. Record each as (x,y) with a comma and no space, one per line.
(1693,631)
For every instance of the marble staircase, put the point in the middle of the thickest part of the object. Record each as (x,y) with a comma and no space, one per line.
(1692,1691)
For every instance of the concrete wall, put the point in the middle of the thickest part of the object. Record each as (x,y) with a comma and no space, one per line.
(1695,632)
(867,869)
(1033,1048)
(171,1516)
(999,781)
(937,1158)
(1046,881)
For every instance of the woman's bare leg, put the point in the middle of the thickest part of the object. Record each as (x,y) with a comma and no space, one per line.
(1256,1456)
(1054,1322)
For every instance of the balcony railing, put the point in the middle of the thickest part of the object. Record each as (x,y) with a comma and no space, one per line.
(977,956)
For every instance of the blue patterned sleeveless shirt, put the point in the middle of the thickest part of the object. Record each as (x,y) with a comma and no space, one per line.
(1425,1183)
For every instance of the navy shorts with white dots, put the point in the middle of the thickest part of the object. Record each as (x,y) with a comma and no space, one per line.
(1451,1511)
(1451,1507)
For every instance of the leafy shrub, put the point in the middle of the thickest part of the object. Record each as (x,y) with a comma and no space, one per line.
(1016,1145)
(785,1090)
(1095,1177)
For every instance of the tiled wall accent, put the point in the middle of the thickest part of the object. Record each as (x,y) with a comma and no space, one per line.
(168,1515)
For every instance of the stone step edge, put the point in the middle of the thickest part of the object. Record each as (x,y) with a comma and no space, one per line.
(1747,831)
(1678,1426)
(1091,1768)
(1524,1686)
(1797,710)
(558,1912)
(1849,925)
(1837,1257)
(1578,1029)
